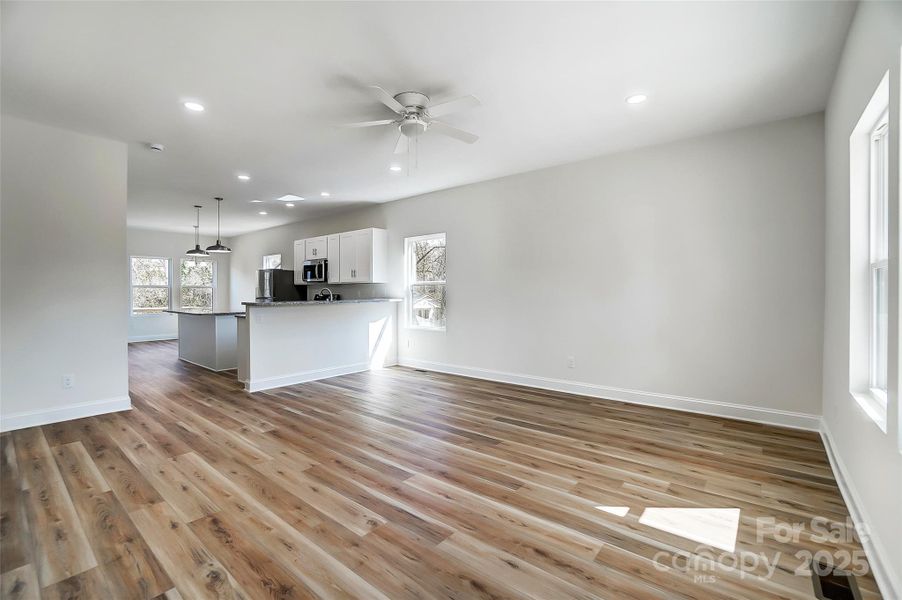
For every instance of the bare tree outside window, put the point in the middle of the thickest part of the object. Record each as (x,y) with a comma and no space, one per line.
(150,284)
(196,276)
(426,305)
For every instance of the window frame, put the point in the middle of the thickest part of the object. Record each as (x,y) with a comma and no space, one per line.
(878,242)
(410,280)
(132,286)
(212,285)
(873,238)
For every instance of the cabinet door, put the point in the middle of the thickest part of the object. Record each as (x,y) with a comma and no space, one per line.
(299,249)
(347,246)
(333,246)
(363,271)
(316,248)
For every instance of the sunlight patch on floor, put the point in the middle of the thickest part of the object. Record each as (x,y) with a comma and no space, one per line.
(717,527)
(620,511)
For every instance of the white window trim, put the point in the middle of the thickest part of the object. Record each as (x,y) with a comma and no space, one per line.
(873,403)
(408,283)
(199,287)
(866,258)
(132,286)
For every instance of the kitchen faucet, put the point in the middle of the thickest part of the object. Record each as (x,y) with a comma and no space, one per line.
(326,290)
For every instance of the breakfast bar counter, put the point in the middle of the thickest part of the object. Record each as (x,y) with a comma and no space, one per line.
(283,343)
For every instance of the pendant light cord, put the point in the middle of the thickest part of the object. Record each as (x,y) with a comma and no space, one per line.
(197,227)
(218,221)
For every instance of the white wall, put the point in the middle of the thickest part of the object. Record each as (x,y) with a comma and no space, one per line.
(868,460)
(144,242)
(63,242)
(689,274)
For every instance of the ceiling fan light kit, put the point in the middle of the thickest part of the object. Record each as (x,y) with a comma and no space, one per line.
(416,116)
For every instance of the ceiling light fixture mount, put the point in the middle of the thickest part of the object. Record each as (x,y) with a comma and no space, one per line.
(218,248)
(325,194)
(636,99)
(244,177)
(194,106)
(289,198)
(197,251)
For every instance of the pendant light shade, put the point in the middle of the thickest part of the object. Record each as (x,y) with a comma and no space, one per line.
(197,251)
(218,248)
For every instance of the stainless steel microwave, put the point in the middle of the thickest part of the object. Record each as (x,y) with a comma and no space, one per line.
(315,270)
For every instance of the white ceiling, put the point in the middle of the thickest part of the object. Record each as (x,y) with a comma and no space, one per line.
(277,78)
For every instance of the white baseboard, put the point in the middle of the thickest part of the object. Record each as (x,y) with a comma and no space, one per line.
(256,385)
(153,338)
(757,414)
(33,418)
(197,364)
(890,587)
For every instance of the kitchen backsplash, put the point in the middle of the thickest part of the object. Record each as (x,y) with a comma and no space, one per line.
(351,291)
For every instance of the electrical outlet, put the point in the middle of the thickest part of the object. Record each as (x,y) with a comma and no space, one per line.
(68,381)
(571,362)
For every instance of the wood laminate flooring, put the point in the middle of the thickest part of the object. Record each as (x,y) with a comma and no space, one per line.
(404,484)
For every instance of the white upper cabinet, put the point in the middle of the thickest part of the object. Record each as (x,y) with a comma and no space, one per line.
(347,249)
(332,246)
(363,256)
(354,256)
(316,248)
(299,252)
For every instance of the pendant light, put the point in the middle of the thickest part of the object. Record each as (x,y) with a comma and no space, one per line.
(197,251)
(218,248)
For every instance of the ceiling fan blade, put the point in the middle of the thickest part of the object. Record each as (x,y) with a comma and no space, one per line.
(369,123)
(387,99)
(458,104)
(401,146)
(457,134)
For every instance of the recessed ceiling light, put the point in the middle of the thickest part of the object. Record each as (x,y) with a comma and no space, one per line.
(243,177)
(324,194)
(256,201)
(636,99)
(196,107)
(395,168)
(290,205)
(289,198)
(262,212)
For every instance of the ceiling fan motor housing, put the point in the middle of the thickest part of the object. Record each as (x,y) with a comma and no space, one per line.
(413,122)
(412,100)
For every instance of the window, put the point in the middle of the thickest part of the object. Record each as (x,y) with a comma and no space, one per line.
(197,278)
(425,275)
(272,261)
(879,249)
(869,244)
(149,284)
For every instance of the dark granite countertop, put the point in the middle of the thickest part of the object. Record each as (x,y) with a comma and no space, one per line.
(319,302)
(203,312)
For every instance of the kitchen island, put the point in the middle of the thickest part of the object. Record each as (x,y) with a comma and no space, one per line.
(208,338)
(283,343)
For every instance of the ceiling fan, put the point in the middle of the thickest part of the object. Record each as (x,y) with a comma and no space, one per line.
(416,116)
